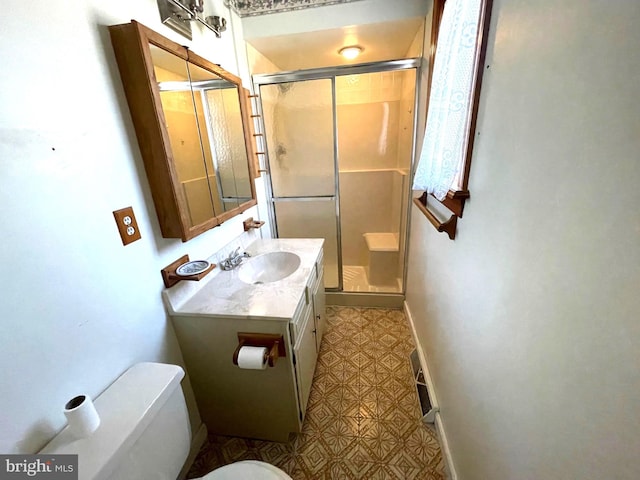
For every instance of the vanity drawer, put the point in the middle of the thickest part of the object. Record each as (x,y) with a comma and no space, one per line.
(316,275)
(298,318)
(320,264)
(307,300)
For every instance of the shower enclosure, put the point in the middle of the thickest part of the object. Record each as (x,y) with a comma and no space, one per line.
(338,145)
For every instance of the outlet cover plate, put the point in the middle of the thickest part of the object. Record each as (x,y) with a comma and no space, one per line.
(127,225)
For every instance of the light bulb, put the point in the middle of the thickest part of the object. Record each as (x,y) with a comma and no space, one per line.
(350,52)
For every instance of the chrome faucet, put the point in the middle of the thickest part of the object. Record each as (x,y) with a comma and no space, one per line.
(233,260)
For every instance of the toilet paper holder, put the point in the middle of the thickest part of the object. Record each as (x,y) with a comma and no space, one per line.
(274,342)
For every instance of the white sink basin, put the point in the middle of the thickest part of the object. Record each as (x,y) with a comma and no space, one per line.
(269,267)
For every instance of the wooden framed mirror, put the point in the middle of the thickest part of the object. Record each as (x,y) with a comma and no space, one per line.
(192,122)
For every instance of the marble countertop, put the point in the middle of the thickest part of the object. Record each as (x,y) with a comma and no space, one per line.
(225,295)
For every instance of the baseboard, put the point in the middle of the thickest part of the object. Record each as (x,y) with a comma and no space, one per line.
(196,443)
(444,444)
(444,447)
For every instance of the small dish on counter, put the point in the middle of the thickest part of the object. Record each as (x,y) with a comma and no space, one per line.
(192,268)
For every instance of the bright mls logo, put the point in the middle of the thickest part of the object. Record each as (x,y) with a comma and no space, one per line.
(52,467)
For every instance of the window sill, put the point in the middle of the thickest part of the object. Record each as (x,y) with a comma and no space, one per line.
(454,201)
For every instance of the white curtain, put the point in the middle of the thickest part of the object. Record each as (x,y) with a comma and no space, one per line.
(443,148)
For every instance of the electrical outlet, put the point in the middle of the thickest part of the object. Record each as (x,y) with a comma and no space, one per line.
(127,225)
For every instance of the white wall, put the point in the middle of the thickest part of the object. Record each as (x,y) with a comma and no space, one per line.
(529,319)
(78,307)
(258,63)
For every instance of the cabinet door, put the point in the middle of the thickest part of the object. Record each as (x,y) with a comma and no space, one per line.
(319,313)
(306,356)
(192,144)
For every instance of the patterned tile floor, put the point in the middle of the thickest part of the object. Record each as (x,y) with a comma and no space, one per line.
(363,419)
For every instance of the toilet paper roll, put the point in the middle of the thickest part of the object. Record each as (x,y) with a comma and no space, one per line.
(253,358)
(82,416)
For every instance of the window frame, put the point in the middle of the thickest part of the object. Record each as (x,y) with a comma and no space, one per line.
(455,199)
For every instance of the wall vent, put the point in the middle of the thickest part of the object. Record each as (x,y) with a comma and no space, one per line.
(426,407)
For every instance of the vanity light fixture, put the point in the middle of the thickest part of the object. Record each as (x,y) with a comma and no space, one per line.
(219,24)
(177,14)
(351,51)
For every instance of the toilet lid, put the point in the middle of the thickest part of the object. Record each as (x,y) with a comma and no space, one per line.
(247,470)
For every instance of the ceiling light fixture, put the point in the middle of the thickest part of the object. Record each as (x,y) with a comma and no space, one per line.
(351,52)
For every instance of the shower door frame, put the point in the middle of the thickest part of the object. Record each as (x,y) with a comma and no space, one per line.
(331,73)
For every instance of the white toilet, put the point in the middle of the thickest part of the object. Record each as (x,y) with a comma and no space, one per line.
(249,470)
(144,433)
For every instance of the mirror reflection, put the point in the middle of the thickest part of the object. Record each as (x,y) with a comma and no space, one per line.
(183,114)
(224,129)
(204,123)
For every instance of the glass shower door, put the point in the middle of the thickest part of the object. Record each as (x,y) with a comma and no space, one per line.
(375,119)
(300,140)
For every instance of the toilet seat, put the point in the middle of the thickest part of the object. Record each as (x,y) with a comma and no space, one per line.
(247,470)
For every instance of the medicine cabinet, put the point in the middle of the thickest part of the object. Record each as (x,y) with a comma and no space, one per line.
(192,122)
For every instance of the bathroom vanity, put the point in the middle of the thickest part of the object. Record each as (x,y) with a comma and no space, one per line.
(267,404)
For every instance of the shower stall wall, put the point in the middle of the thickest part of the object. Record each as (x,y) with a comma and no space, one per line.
(339,146)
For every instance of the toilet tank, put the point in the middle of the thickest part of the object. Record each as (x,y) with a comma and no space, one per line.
(144,430)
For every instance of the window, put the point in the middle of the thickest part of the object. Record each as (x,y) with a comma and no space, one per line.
(458,38)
